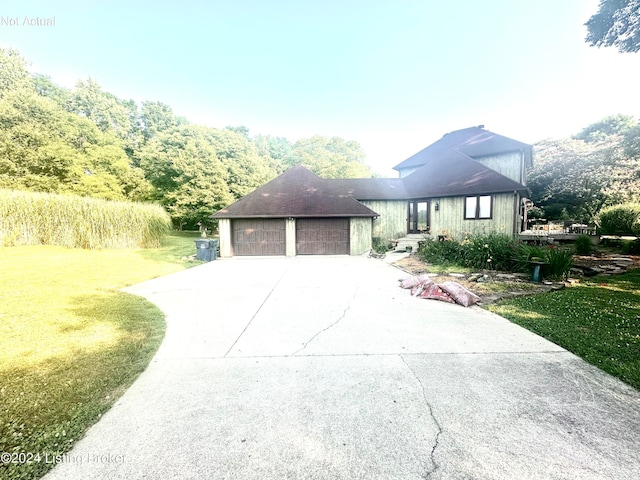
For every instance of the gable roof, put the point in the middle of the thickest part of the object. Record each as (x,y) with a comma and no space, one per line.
(296,193)
(453,173)
(474,142)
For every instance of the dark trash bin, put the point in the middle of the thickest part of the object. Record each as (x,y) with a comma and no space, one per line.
(206,249)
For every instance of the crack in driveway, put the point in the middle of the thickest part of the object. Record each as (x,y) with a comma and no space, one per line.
(436,442)
(322,331)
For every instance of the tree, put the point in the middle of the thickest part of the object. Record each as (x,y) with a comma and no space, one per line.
(156,117)
(616,23)
(608,126)
(246,169)
(187,176)
(13,71)
(329,157)
(574,178)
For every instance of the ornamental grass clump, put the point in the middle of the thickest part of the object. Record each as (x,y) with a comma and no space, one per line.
(34,218)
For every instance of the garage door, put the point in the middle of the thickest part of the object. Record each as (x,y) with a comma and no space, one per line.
(322,236)
(258,236)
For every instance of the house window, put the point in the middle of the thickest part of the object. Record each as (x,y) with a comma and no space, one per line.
(478,207)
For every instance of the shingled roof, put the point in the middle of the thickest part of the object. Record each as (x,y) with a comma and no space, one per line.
(453,173)
(296,193)
(370,188)
(474,142)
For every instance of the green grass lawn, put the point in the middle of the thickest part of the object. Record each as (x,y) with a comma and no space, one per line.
(70,341)
(598,321)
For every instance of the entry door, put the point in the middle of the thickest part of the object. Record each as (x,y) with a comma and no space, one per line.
(418,217)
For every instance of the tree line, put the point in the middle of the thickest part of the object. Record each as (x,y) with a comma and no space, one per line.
(86,141)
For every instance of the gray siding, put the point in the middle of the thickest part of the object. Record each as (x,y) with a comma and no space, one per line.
(392,220)
(360,235)
(449,219)
(510,165)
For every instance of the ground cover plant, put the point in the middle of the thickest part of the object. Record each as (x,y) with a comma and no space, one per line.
(597,320)
(496,251)
(71,342)
(34,218)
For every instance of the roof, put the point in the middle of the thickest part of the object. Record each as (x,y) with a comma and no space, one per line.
(370,188)
(474,142)
(296,193)
(453,173)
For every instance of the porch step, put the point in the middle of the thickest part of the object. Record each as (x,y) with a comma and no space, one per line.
(410,240)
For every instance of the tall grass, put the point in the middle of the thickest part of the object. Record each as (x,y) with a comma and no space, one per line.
(32,218)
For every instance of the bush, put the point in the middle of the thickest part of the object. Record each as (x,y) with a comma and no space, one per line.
(583,245)
(525,253)
(631,248)
(32,218)
(445,252)
(621,219)
(381,246)
(560,263)
(490,251)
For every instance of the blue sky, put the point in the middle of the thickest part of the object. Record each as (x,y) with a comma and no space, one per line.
(392,75)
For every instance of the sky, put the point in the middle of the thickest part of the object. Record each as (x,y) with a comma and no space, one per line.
(392,75)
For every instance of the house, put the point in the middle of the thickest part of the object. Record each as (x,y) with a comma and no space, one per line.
(471,180)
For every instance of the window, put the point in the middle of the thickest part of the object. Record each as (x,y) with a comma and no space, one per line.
(477,207)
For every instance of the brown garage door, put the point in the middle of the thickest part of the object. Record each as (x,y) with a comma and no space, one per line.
(322,236)
(258,236)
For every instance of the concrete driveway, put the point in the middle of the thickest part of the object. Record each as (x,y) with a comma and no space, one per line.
(322,368)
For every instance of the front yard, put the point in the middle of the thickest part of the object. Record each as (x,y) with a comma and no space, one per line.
(71,342)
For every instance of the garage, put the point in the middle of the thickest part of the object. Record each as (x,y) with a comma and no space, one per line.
(322,236)
(258,236)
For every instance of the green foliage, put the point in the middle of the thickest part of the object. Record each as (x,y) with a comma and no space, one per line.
(31,218)
(381,245)
(525,253)
(482,251)
(631,247)
(88,142)
(583,245)
(621,219)
(492,251)
(560,263)
(13,71)
(444,252)
(607,127)
(329,157)
(616,23)
(598,321)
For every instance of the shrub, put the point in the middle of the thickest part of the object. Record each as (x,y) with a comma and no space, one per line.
(490,251)
(621,219)
(380,245)
(631,248)
(560,263)
(446,251)
(32,218)
(583,245)
(525,253)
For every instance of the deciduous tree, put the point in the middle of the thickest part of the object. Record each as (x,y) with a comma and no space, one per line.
(616,23)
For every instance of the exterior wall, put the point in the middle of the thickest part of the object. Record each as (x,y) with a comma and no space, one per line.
(392,218)
(224,229)
(510,165)
(359,235)
(449,219)
(290,237)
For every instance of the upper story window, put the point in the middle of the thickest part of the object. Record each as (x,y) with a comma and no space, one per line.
(478,207)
